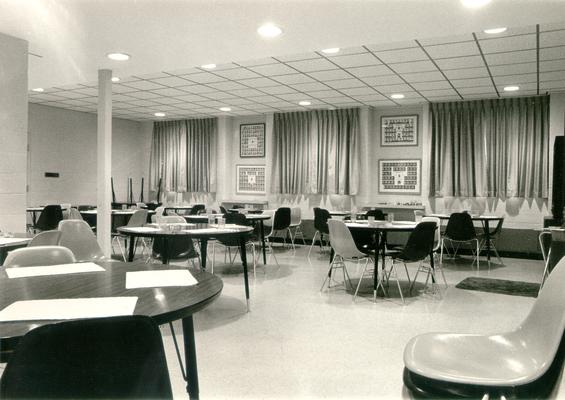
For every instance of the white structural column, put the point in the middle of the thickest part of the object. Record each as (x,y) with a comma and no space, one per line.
(104,165)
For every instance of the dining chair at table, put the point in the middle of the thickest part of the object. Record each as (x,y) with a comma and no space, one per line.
(460,230)
(99,358)
(555,252)
(79,238)
(233,242)
(296,224)
(435,253)
(321,217)
(178,248)
(492,237)
(49,218)
(138,219)
(280,225)
(39,255)
(74,213)
(197,209)
(46,238)
(159,211)
(268,226)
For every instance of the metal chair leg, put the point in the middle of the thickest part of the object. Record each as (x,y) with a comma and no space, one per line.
(313,241)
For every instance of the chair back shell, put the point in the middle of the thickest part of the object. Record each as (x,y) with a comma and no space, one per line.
(342,241)
(39,255)
(78,236)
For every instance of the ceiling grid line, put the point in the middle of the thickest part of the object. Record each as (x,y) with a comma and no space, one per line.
(537,56)
(486,64)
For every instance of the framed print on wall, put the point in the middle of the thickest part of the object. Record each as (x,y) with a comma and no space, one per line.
(251,140)
(251,179)
(400,130)
(399,176)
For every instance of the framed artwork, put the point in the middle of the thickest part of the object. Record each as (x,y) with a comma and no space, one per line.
(251,179)
(399,176)
(400,130)
(251,140)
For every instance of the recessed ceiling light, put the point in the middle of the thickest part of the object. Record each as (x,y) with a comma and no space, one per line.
(38,89)
(397,96)
(159,114)
(269,30)
(512,88)
(225,109)
(115,79)
(494,31)
(332,50)
(474,3)
(208,66)
(304,103)
(118,56)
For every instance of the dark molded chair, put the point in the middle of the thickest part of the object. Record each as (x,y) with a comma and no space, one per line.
(281,223)
(321,217)
(232,242)
(196,209)
(180,247)
(100,358)
(378,214)
(49,218)
(460,230)
(525,363)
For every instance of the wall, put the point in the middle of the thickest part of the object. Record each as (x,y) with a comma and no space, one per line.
(64,141)
(13,133)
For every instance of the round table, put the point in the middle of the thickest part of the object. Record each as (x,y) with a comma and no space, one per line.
(173,303)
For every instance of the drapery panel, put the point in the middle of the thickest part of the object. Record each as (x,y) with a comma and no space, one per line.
(490,148)
(183,155)
(316,152)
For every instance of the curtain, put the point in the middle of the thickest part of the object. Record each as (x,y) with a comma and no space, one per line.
(183,155)
(316,152)
(490,148)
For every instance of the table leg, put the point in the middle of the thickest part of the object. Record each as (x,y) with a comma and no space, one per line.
(376,270)
(203,252)
(432,266)
(165,251)
(190,358)
(243,252)
(262,229)
(487,238)
(131,248)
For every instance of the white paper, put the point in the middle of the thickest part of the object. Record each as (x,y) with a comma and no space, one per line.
(211,230)
(142,229)
(54,309)
(149,279)
(4,240)
(59,269)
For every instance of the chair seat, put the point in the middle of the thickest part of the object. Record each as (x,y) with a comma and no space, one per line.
(496,360)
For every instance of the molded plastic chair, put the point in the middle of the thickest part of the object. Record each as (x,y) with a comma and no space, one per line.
(77,236)
(180,247)
(104,358)
(268,226)
(45,238)
(233,242)
(556,250)
(437,265)
(296,224)
(281,223)
(49,218)
(523,363)
(223,210)
(158,213)
(196,209)
(321,217)
(378,214)
(138,219)
(344,250)
(74,214)
(39,255)
(459,230)
(493,236)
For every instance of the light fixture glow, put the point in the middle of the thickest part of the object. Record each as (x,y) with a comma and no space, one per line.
(118,56)
(397,96)
(115,79)
(159,114)
(226,109)
(332,50)
(304,103)
(38,89)
(475,3)
(512,88)
(208,66)
(494,31)
(269,30)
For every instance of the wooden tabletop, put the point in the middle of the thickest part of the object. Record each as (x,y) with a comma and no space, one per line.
(398,226)
(210,232)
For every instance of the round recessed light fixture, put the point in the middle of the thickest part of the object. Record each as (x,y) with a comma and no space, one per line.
(159,114)
(226,109)
(208,66)
(331,50)
(269,30)
(304,103)
(397,96)
(511,88)
(494,31)
(118,56)
(38,89)
(115,79)
(475,3)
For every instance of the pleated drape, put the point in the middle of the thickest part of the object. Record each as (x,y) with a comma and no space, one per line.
(183,155)
(316,152)
(490,148)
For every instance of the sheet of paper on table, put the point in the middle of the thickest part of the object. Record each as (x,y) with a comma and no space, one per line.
(59,269)
(142,229)
(56,309)
(149,279)
(5,240)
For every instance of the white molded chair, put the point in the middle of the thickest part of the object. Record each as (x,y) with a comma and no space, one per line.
(45,238)
(138,219)
(555,252)
(39,255)
(79,238)
(296,224)
(504,361)
(159,211)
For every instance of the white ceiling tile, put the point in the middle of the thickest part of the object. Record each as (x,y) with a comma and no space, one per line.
(515,79)
(143,103)
(168,92)
(552,76)
(487,89)
(240,101)
(432,85)
(451,50)
(481,96)
(446,40)
(222,67)
(552,26)
(438,92)
(152,76)
(68,87)
(345,83)
(190,97)
(142,95)
(553,38)
(227,85)
(72,95)
(278,89)
(259,82)
(382,80)
(197,89)
(443,98)
(292,96)
(460,62)
(424,77)
(293,78)
(305,87)
(523,87)
(383,103)
(348,50)
(519,93)
(320,64)
(124,89)
(171,81)
(337,99)
(510,31)
(331,75)
(404,55)
(355,60)
(184,71)
(370,98)
(552,53)
(218,95)
(92,100)
(273,69)
(203,77)
(417,66)
(141,85)
(168,100)
(47,97)
(123,97)
(358,91)
(471,82)
(246,92)
(552,85)
(212,103)
(509,43)
(513,57)
(479,72)
(89,91)
(75,102)
(322,94)
(298,57)
(259,61)
(554,65)
(392,46)
(390,89)
(265,99)
(375,70)
(513,69)
(238,74)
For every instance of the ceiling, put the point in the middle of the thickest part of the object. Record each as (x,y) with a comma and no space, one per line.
(380,55)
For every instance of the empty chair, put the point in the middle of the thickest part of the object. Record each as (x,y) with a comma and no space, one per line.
(159,211)
(344,250)
(74,213)
(104,358)
(46,238)
(233,242)
(523,363)
(492,237)
(49,218)
(556,251)
(180,247)
(378,214)
(39,255)
(77,236)
(321,217)
(281,224)
(430,272)
(296,224)
(196,209)
(460,230)
(268,225)
(138,219)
